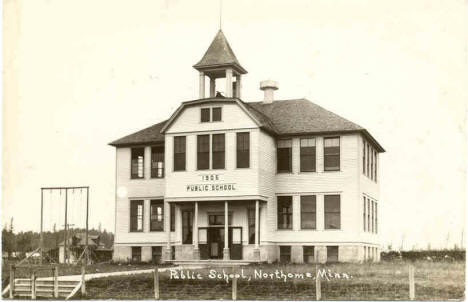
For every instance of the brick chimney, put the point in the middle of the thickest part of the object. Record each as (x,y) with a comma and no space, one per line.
(268,88)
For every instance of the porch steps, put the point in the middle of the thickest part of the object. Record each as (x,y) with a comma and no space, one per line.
(44,288)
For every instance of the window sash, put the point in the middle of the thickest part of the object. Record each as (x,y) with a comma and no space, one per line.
(157,215)
(243,150)
(308,212)
(172,216)
(251,224)
(137,162)
(136,253)
(284,157)
(308,159)
(332,254)
(308,254)
(136,215)
(157,162)
(205,115)
(331,154)
(179,153)
(218,151)
(187,227)
(217,114)
(284,212)
(203,152)
(332,205)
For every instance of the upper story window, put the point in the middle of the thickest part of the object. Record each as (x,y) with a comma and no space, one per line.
(211,114)
(243,150)
(203,152)
(331,153)
(218,151)
(284,155)
(136,216)
(179,153)
(138,166)
(157,215)
(307,154)
(332,205)
(157,162)
(284,212)
(308,212)
(375,166)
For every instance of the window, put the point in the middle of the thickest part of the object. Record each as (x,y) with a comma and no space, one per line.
(157,162)
(243,150)
(284,156)
(376,221)
(308,212)
(375,166)
(216,114)
(332,212)
(156,253)
(364,213)
(205,115)
(251,220)
(136,253)
(203,152)
(368,161)
(157,215)
(331,154)
(372,165)
(218,151)
(179,153)
(187,227)
(218,219)
(138,166)
(136,216)
(284,212)
(307,154)
(172,216)
(308,254)
(364,157)
(332,254)
(210,114)
(372,216)
(368,215)
(285,254)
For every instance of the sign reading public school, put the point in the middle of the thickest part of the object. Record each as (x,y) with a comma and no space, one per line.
(212,184)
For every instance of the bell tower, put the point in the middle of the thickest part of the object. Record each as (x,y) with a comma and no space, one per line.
(219,61)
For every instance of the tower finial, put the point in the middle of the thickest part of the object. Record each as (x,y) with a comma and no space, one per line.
(220,13)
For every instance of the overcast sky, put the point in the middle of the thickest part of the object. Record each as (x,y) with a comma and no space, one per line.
(80,74)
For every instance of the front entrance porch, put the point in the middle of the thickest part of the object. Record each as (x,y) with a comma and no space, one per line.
(216,230)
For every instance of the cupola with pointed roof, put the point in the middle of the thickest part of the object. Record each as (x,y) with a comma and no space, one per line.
(220,61)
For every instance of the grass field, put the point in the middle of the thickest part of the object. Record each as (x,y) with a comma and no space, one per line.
(369,281)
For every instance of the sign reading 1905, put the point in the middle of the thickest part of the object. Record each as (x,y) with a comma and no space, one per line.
(206,187)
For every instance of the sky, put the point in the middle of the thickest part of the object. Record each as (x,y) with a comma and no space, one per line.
(79,74)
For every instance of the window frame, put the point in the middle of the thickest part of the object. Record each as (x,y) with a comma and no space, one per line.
(284,214)
(221,153)
(189,228)
(251,226)
(174,167)
(137,202)
(156,202)
(325,212)
(202,110)
(244,151)
(301,155)
(290,156)
(329,247)
(288,253)
(304,254)
(201,144)
(136,248)
(132,175)
(302,201)
(220,114)
(152,175)
(328,169)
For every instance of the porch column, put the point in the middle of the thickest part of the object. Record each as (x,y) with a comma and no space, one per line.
(202,85)
(212,87)
(257,230)
(167,227)
(196,251)
(226,232)
(238,86)
(229,83)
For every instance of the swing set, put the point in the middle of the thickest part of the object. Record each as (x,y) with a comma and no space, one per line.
(65,204)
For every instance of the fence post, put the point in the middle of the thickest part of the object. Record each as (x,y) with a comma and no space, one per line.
(56,290)
(83,281)
(12,281)
(234,287)
(156,283)
(33,285)
(411,281)
(318,284)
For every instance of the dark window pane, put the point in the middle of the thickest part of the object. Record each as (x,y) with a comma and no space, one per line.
(308,212)
(332,212)
(157,215)
(216,114)
(308,252)
(218,151)
(307,155)
(156,254)
(284,156)
(251,220)
(203,152)
(243,150)
(187,227)
(332,254)
(136,215)
(284,212)
(285,254)
(172,209)
(179,153)
(205,115)
(157,162)
(137,165)
(331,153)
(136,253)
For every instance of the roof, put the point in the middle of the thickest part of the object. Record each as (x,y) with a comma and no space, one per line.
(279,118)
(150,135)
(219,53)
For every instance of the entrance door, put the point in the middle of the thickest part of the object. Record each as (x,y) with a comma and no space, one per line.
(215,242)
